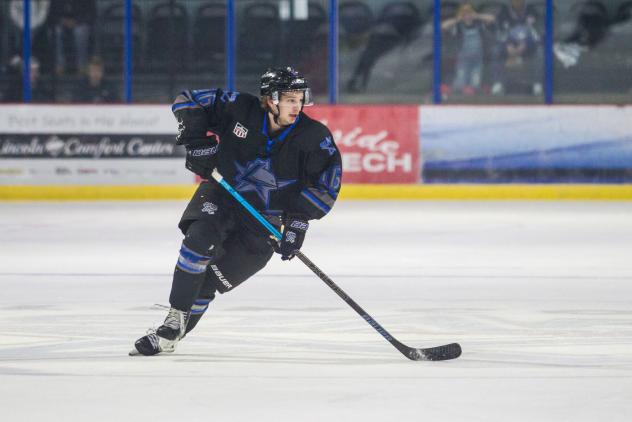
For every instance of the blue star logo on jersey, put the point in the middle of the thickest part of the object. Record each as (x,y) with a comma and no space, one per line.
(327,145)
(258,176)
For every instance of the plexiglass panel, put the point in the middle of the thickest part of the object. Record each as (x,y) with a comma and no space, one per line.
(11,46)
(385,51)
(593,51)
(492,51)
(282,33)
(179,45)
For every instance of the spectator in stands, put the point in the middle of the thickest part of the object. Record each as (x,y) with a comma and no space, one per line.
(41,91)
(518,49)
(390,31)
(40,11)
(469,27)
(94,88)
(73,21)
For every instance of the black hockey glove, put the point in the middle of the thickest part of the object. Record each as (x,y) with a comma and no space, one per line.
(294,229)
(192,126)
(201,145)
(202,156)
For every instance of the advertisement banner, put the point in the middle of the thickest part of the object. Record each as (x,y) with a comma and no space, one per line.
(94,172)
(87,119)
(88,146)
(64,144)
(379,144)
(85,145)
(526,144)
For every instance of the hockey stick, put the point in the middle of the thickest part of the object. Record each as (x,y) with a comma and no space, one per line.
(445,352)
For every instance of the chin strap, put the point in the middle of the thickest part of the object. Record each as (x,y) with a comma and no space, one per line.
(275,116)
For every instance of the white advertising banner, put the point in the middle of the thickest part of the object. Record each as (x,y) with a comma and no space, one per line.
(90,145)
(90,119)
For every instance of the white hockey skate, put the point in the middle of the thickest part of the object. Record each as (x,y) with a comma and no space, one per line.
(165,338)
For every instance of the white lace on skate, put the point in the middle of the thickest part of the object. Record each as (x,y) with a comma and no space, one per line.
(176,320)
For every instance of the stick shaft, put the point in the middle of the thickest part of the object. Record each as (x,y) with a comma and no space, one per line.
(333,286)
(220,179)
(344,296)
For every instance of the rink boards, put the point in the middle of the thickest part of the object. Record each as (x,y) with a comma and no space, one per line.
(389,152)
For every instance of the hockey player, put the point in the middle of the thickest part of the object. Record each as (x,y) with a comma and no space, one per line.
(282,162)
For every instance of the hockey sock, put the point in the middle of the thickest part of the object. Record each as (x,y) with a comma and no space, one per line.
(187,278)
(197,311)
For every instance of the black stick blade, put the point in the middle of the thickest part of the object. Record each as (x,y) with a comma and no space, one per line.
(446,352)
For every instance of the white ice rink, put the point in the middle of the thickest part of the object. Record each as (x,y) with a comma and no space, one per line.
(539,294)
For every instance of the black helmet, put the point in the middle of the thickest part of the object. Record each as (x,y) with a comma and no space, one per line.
(283,79)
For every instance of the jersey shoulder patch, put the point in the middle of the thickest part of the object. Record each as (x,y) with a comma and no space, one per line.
(328,145)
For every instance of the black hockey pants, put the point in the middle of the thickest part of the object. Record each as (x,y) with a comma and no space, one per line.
(219,252)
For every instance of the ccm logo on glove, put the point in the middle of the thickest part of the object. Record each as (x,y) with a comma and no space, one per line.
(203,152)
(300,225)
(293,236)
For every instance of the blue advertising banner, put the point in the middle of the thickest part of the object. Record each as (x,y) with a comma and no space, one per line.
(526,144)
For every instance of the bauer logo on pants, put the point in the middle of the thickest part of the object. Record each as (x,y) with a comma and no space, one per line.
(221,277)
(240,131)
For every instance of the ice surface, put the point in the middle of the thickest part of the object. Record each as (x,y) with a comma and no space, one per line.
(539,294)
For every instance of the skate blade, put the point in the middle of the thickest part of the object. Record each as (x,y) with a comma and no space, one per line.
(135,352)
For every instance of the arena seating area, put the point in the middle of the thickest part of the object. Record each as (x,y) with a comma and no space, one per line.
(182,43)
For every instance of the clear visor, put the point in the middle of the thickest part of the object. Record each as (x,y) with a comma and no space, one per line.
(292,100)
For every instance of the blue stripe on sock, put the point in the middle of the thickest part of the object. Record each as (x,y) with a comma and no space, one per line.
(190,267)
(191,256)
(200,306)
(192,262)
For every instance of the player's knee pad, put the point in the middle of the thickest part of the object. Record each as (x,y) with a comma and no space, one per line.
(201,237)
(198,248)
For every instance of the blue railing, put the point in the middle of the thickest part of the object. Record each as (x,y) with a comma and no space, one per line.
(436,52)
(230,45)
(333,51)
(26,78)
(128,51)
(548,53)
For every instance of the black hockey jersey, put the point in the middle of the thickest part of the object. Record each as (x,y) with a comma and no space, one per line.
(297,170)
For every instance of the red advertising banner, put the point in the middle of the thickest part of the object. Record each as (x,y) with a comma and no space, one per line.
(379,144)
